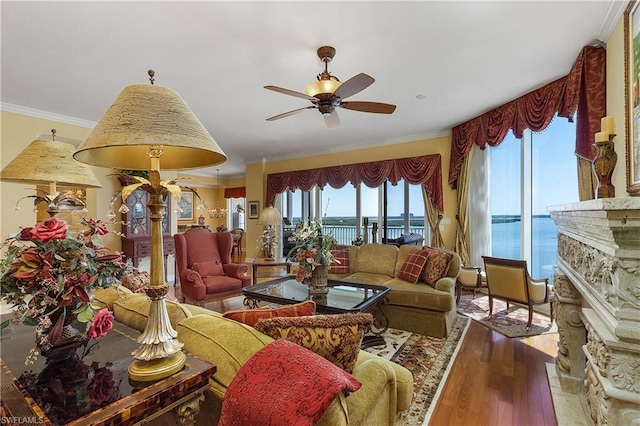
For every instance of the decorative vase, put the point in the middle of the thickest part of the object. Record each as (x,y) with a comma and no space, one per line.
(318,280)
(66,346)
(603,165)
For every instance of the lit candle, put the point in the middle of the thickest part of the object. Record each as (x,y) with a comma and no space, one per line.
(606,125)
(602,137)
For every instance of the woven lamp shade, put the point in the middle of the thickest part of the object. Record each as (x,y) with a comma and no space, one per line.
(44,162)
(146,115)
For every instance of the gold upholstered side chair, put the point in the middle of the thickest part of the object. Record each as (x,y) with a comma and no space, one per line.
(509,280)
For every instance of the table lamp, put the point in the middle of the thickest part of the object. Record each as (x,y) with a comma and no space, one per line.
(50,163)
(150,127)
(270,217)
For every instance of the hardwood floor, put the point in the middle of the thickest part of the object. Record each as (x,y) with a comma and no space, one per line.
(495,380)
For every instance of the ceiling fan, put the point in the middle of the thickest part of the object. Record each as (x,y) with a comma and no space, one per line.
(327,93)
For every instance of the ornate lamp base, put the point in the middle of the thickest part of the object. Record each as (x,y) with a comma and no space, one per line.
(156,369)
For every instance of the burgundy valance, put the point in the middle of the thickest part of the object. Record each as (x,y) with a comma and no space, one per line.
(239,192)
(582,90)
(425,170)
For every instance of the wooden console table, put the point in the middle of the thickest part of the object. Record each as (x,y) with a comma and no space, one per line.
(95,389)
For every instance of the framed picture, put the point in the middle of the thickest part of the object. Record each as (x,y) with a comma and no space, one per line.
(254,209)
(632,95)
(185,211)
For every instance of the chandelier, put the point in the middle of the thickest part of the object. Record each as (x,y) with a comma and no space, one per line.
(217,211)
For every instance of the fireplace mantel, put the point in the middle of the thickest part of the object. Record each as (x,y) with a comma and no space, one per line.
(597,290)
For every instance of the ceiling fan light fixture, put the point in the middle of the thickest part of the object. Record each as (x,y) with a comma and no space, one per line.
(322,86)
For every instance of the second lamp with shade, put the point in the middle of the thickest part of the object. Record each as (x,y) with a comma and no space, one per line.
(270,217)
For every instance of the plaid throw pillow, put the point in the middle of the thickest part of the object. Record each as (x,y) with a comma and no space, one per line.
(413,266)
(341,255)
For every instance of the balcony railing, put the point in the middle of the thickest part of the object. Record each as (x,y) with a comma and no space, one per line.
(347,234)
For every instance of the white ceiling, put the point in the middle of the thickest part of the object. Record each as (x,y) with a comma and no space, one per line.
(464,58)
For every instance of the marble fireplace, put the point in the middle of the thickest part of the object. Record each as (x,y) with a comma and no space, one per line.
(597,302)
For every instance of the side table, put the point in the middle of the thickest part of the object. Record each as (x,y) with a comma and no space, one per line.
(260,263)
(95,388)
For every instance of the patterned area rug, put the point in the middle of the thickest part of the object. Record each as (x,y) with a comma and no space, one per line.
(428,359)
(512,323)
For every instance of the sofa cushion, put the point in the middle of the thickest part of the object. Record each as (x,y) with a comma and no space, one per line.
(419,296)
(341,255)
(436,267)
(133,310)
(251,316)
(208,269)
(413,266)
(284,384)
(224,342)
(105,297)
(335,337)
(376,259)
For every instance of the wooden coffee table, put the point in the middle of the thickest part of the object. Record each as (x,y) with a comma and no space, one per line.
(343,297)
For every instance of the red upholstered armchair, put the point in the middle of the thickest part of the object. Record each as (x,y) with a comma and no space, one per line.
(204,264)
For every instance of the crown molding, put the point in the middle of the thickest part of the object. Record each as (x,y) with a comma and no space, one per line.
(31,112)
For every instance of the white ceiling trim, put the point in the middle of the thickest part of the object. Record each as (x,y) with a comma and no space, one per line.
(46,115)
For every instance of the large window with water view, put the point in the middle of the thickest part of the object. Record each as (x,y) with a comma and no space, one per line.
(527,176)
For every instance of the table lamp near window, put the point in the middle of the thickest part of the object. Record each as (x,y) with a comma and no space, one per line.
(150,127)
(270,217)
(50,163)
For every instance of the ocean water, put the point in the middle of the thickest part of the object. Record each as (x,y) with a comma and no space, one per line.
(506,237)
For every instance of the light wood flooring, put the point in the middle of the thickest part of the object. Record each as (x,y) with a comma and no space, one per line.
(495,380)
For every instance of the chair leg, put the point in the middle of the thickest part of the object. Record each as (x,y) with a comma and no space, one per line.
(458,293)
(490,306)
(530,318)
(551,312)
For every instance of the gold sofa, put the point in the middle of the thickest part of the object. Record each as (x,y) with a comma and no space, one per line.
(387,388)
(418,308)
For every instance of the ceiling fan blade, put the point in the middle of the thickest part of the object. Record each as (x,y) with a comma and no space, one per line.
(290,92)
(376,107)
(354,85)
(290,113)
(332,120)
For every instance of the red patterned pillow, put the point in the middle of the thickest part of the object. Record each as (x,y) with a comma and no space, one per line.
(208,269)
(251,316)
(305,385)
(413,266)
(341,255)
(437,266)
(335,337)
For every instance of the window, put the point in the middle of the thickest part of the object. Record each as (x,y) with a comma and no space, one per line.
(348,212)
(527,176)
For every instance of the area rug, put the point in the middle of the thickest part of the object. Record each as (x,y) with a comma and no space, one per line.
(429,360)
(512,323)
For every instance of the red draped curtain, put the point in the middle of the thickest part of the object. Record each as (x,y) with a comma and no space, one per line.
(583,91)
(239,192)
(425,170)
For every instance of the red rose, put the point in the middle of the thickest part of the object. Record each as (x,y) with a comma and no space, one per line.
(25,234)
(50,229)
(102,388)
(101,324)
(98,226)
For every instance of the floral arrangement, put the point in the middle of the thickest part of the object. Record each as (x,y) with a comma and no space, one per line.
(47,276)
(312,248)
(268,241)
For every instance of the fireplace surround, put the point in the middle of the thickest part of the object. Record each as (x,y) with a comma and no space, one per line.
(597,292)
